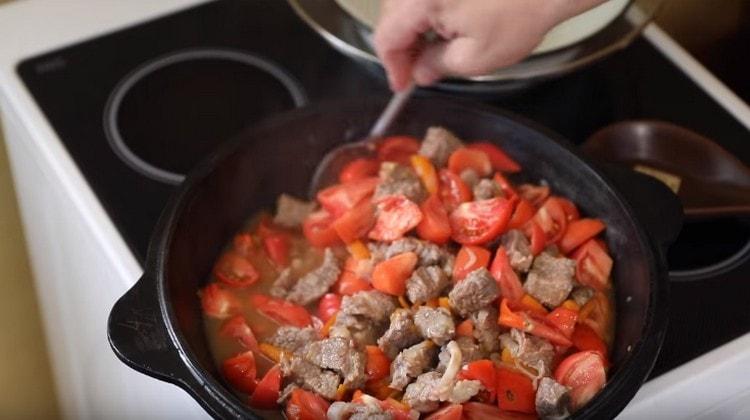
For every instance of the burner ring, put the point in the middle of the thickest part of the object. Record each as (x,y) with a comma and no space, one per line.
(712,270)
(114,102)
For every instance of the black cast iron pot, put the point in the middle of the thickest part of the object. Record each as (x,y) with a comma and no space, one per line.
(156,327)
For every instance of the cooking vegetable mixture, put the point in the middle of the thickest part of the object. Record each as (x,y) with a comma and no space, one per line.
(425,283)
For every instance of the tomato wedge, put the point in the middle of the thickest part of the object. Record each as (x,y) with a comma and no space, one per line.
(339,198)
(435,226)
(584,374)
(449,412)
(319,231)
(465,158)
(281,311)
(586,339)
(593,265)
(234,270)
(537,238)
(499,159)
(597,314)
(355,223)
(507,279)
(523,212)
(306,405)
(505,186)
(470,258)
(237,328)
(396,215)
(515,392)
(267,391)
(564,320)
(551,218)
(465,328)
(481,411)
(329,304)
(359,168)
(478,222)
(217,302)
(242,244)
(390,276)
(484,372)
(349,284)
(570,209)
(535,194)
(378,366)
(397,149)
(530,324)
(578,232)
(453,190)
(241,372)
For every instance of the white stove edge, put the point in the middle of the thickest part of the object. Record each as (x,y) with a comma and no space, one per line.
(714,385)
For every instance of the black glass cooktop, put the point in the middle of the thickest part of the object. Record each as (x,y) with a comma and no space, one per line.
(138,107)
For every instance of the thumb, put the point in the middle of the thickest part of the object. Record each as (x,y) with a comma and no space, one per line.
(459,57)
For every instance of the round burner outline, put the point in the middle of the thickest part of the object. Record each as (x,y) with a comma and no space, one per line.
(712,270)
(112,107)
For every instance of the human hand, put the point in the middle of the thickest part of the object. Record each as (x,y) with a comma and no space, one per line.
(477,36)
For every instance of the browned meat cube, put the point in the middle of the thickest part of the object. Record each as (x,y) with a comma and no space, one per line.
(426,283)
(310,376)
(550,279)
(470,352)
(486,329)
(581,295)
(399,179)
(401,334)
(519,250)
(428,253)
(292,338)
(282,284)
(363,317)
(486,189)
(339,355)
(340,410)
(470,177)
(291,211)
(316,283)
(473,293)
(421,395)
(360,329)
(438,144)
(411,362)
(435,324)
(552,399)
(531,351)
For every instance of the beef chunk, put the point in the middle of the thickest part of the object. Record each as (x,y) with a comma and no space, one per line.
(309,376)
(340,410)
(552,399)
(357,328)
(363,317)
(339,355)
(316,283)
(291,212)
(476,291)
(486,189)
(282,284)
(486,329)
(530,351)
(550,279)
(421,395)
(399,179)
(519,250)
(581,295)
(411,362)
(426,283)
(401,334)
(293,338)
(435,324)
(470,352)
(470,177)
(428,253)
(438,144)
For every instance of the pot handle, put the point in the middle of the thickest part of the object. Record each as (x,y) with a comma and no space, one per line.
(656,207)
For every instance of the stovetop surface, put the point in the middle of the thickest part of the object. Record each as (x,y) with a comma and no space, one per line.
(164,120)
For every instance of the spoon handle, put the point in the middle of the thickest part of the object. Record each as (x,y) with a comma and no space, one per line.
(397,102)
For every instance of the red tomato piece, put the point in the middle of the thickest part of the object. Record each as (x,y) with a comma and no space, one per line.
(499,159)
(535,194)
(593,265)
(505,186)
(465,328)
(507,279)
(398,410)
(241,372)
(523,212)
(478,222)
(435,226)
(578,232)
(349,284)
(530,324)
(319,231)
(449,412)
(355,223)
(586,339)
(234,270)
(484,372)
(306,405)
(515,392)
(481,411)
(453,190)
(390,275)
(584,374)
(551,218)
(359,168)
(397,149)
(217,302)
(243,243)
(470,258)
(570,209)
(339,198)
(378,366)
(396,215)
(267,391)
(237,328)
(538,239)
(564,320)
(281,311)
(465,158)
(329,304)
(277,247)
(597,314)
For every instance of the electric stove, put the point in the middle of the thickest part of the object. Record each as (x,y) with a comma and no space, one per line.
(137,108)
